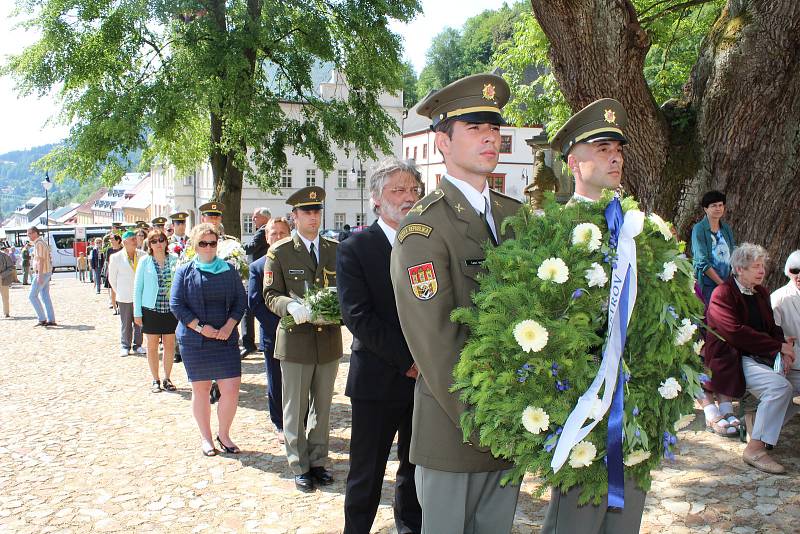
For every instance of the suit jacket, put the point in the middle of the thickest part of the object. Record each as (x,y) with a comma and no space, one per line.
(288,270)
(435,265)
(257,246)
(380,355)
(256,304)
(186,303)
(727,315)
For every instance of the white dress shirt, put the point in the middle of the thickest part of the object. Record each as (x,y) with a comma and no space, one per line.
(390,232)
(308,242)
(479,200)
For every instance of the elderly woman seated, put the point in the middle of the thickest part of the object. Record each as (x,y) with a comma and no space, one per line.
(786,303)
(743,357)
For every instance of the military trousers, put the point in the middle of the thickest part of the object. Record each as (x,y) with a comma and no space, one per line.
(307,388)
(565,516)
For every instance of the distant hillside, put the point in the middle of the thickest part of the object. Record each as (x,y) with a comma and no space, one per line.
(18,182)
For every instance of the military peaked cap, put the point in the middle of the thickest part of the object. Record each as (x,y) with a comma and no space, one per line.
(602,120)
(307,199)
(475,99)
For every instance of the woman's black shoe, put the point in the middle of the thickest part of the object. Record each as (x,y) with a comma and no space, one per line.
(229,450)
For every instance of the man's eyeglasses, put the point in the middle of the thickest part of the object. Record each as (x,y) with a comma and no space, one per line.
(403,190)
(795,270)
(159,240)
(204,244)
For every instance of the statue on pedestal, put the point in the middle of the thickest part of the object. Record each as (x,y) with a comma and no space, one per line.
(544,179)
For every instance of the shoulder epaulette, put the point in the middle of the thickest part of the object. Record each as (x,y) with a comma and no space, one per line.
(330,239)
(493,192)
(426,202)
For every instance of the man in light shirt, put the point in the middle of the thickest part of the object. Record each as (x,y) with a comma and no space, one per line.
(40,287)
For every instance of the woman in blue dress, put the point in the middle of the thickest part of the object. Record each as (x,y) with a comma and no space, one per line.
(209,300)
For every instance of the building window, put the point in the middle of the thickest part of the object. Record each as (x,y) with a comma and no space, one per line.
(505,144)
(247,224)
(406,152)
(415,153)
(188,180)
(341,178)
(497,182)
(339,220)
(286,178)
(362,179)
(425,151)
(359,219)
(311,177)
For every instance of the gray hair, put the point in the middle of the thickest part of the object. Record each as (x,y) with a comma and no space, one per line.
(792,262)
(384,171)
(264,212)
(746,255)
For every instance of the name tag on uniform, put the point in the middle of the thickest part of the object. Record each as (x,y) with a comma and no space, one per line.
(297,271)
(475,262)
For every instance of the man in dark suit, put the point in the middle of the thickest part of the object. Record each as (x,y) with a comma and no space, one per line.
(255,248)
(276,229)
(382,372)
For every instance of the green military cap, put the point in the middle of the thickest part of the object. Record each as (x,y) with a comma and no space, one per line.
(212,208)
(602,120)
(179,216)
(307,199)
(142,224)
(475,99)
(116,224)
(159,221)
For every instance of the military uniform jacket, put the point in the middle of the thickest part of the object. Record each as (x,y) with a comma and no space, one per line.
(289,270)
(435,263)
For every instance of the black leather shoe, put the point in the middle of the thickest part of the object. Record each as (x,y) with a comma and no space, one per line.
(304,482)
(244,353)
(177,358)
(321,476)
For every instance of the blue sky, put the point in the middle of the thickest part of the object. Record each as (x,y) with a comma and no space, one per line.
(25,119)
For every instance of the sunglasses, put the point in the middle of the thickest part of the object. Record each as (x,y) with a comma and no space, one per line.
(795,270)
(159,240)
(204,244)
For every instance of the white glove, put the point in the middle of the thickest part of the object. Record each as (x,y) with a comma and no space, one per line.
(299,313)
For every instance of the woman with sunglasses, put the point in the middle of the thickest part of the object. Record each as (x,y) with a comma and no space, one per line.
(208,299)
(786,300)
(151,311)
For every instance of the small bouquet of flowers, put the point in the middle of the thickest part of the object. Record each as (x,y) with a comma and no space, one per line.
(176,248)
(232,251)
(324,305)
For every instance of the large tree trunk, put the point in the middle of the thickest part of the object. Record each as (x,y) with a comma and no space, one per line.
(742,104)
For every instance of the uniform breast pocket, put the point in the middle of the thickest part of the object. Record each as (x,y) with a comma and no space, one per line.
(472,267)
(296,281)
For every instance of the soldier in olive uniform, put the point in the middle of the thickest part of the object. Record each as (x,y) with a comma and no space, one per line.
(309,354)
(436,260)
(159,222)
(591,143)
(179,237)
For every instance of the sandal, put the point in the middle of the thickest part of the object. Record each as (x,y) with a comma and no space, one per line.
(732,420)
(717,427)
(208,449)
(155,387)
(763,462)
(230,450)
(167,385)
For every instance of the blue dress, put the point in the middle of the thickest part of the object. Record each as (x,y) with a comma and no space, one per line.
(213,299)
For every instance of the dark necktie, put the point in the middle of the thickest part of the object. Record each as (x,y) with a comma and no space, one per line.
(486,222)
(313,256)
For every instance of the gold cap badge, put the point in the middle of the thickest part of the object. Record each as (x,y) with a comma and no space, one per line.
(610,116)
(312,195)
(488,91)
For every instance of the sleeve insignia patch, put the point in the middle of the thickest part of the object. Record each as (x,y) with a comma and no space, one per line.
(423,281)
(414,228)
(268,278)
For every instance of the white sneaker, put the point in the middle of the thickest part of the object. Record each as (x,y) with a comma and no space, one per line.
(123,352)
(140,350)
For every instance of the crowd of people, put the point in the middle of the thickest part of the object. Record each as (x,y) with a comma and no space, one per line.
(177,297)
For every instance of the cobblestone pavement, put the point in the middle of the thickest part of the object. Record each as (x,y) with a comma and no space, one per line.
(85,447)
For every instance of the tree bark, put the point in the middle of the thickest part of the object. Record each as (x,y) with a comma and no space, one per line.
(740,112)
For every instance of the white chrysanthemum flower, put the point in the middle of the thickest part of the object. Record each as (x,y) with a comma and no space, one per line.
(535,420)
(587,234)
(698,346)
(683,422)
(669,388)
(553,269)
(530,335)
(596,411)
(582,455)
(685,332)
(670,268)
(636,457)
(596,276)
(662,225)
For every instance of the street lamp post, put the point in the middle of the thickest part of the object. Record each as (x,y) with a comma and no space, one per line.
(360,179)
(47,184)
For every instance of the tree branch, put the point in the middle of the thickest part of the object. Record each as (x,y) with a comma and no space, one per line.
(668,9)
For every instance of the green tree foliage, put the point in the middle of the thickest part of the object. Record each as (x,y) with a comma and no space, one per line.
(444,61)
(676,30)
(197,80)
(409,85)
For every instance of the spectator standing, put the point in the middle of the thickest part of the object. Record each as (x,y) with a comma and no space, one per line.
(255,248)
(96,260)
(26,263)
(82,266)
(7,271)
(40,288)
(382,373)
(208,299)
(276,229)
(741,347)
(786,300)
(712,244)
(121,271)
(115,245)
(344,234)
(151,293)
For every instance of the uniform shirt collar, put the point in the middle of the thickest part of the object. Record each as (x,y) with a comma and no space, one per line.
(581,198)
(744,290)
(390,232)
(307,243)
(477,200)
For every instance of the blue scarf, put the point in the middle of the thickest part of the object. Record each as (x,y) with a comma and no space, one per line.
(216,266)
